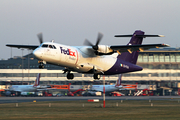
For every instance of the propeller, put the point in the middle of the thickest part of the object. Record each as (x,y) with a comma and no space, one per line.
(95,47)
(40,37)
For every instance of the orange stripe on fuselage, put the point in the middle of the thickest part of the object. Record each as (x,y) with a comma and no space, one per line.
(77,57)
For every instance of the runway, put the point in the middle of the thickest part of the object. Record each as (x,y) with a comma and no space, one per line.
(68,98)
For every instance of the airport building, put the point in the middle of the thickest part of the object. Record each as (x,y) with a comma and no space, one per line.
(161,67)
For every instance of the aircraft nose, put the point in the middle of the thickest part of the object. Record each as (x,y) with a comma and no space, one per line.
(37,53)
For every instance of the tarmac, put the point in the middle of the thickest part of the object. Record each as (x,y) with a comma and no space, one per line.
(75,98)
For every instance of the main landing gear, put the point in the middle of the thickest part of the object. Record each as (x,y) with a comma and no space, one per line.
(97,76)
(70,75)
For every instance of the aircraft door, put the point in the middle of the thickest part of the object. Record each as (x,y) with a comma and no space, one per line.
(52,52)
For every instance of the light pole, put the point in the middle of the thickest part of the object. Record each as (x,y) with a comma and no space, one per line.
(104,101)
(22,66)
(28,64)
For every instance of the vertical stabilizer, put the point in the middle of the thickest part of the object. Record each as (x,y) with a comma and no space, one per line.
(36,83)
(135,40)
(118,83)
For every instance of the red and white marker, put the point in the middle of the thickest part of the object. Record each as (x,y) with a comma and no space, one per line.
(93,100)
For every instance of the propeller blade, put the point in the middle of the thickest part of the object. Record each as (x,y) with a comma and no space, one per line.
(87,42)
(40,37)
(100,35)
(95,47)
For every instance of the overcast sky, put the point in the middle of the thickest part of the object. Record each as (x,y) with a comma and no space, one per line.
(72,21)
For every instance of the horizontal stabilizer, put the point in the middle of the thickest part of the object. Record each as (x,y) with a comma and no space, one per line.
(139,35)
(127,48)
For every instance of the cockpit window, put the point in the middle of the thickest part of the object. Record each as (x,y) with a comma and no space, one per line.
(45,45)
(48,46)
(54,47)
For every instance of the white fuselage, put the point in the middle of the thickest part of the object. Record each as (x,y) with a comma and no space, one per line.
(23,88)
(80,59)
(108,88)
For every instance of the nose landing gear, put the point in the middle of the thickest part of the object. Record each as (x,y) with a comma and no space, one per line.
(41,64)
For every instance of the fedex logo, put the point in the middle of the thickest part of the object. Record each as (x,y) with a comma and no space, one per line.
(67,51)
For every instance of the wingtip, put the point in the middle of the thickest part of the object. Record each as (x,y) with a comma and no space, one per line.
(166,45)
(161,36)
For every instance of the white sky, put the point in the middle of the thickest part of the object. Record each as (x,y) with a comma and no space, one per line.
(72,21)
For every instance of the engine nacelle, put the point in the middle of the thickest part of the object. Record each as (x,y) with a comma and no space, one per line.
(104,49)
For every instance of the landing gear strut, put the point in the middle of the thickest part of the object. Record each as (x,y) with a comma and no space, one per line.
(96,76)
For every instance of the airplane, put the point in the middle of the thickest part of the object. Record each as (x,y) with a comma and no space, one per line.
(18,89)
(93,58)
(108,88)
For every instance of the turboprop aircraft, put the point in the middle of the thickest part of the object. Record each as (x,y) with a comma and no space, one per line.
(93,58)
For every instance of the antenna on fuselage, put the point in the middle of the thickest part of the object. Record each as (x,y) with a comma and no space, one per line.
(52,41)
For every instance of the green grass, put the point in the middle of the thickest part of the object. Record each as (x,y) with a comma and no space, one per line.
(74,110)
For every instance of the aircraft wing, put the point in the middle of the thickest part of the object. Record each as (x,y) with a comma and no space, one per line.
(23,46)
(130,48)
(16,90)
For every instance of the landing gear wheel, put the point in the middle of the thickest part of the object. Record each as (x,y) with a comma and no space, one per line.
(70,76)
(96,76)
(41,65)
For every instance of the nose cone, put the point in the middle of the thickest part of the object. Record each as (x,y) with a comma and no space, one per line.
(37,53)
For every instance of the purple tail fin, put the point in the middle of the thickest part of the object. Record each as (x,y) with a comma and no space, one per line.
(132,57)
(36,83)
(118,82)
